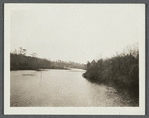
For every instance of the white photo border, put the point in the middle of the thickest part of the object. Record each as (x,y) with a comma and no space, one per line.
(8,8)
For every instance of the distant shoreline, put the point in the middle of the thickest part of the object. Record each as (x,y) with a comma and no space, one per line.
(41,69)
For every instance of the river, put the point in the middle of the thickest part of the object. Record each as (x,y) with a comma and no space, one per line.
(60,88)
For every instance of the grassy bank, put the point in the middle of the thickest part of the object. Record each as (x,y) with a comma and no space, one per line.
(120,72)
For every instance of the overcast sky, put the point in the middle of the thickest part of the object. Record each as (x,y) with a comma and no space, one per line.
(79,33)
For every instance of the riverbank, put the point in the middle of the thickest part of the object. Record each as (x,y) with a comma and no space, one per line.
(38,69)
(120,72)
(23,62)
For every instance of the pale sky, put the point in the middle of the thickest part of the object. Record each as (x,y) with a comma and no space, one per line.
(76,32)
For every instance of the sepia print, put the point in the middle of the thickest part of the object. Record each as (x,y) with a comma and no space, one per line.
(75,55)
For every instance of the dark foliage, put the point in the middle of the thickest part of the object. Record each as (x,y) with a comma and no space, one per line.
(121,72)
(22,62)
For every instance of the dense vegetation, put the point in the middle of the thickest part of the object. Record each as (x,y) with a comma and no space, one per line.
(22,62)
(69,64)
(19,61)
(120,72)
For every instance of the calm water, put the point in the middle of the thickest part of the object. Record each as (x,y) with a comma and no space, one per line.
(60,88)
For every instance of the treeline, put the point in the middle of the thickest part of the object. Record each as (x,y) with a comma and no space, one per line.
(69,64)
(120,72)
(22,62)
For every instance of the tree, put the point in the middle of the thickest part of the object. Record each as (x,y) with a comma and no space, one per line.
(22,51)
(33,54)
(88,64)
(15,51)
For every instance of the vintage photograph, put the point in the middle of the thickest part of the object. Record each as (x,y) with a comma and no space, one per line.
(75,55)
